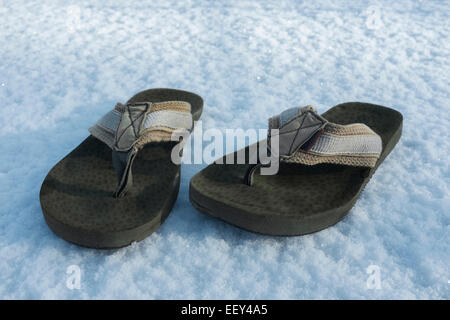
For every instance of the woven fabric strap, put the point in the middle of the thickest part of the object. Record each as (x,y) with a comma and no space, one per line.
(307,138)
(134,125)
(129,127)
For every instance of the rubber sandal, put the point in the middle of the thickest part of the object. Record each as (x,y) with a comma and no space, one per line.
(324,163)
(120,184)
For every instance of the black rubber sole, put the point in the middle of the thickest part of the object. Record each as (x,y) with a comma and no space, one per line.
(209,189)
(76,196)
(110,240)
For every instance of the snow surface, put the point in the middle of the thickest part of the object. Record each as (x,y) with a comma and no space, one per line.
(64,64)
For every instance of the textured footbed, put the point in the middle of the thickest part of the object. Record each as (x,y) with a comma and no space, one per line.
(300,199)
(76,196)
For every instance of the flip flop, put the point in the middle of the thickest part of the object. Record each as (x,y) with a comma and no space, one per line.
(120,184)
(324,163)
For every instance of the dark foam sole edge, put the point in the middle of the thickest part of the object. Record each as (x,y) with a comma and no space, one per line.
(282,226)
(112,240)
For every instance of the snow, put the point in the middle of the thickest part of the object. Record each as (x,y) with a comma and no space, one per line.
(64,64)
